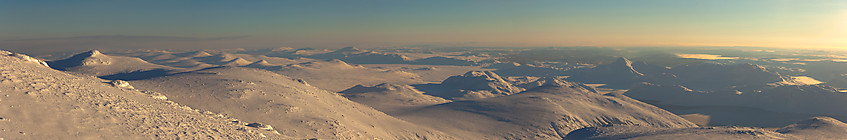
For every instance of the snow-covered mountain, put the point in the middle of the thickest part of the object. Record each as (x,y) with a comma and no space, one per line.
(336,75)
(547,112)
(473,85)
(286,93)
(391,97)
(256,95)
(94,63)
(38,102)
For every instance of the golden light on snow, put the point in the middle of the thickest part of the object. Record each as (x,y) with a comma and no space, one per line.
(806,80)
(704,56)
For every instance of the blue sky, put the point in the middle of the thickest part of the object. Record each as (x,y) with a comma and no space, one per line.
(380,23)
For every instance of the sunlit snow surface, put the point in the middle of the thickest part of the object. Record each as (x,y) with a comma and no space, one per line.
(704,56)
(806,80)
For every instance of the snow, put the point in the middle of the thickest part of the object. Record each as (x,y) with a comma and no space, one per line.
(216,94)
(38,102)
(806,80)
(391,98)
(704,56)
(547,112)
(263,96)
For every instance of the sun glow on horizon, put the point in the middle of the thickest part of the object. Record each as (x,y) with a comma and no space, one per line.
(761,23)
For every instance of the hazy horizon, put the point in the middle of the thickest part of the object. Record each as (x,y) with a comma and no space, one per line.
(381,69)
(56,25)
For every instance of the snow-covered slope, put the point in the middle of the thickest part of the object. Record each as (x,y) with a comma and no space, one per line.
(94,63)
(38,102)
(237,62)
(336,75)
(292,107)
(817,128)
(261,64)
(391,97)
(472,85)
(546,112)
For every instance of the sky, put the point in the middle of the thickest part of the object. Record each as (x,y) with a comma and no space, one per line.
(84,24)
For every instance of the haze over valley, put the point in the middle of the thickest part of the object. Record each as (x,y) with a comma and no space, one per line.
(434,70)
(469,93)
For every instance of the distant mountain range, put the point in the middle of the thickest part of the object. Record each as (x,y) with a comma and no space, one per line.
(352,93)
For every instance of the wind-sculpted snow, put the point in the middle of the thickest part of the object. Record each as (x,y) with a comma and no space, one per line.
(22,57)
(37,102)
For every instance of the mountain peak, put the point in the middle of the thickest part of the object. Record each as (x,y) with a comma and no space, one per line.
(260,64)
(93,53)
(339,63)
(554,82)
(225,56)
(481,82)
(281,49)
(820,127)
(384,87)
(238,61)
(351,48)
(89,58)
(818,122)
(480,73)
(348,50)
(198,54)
